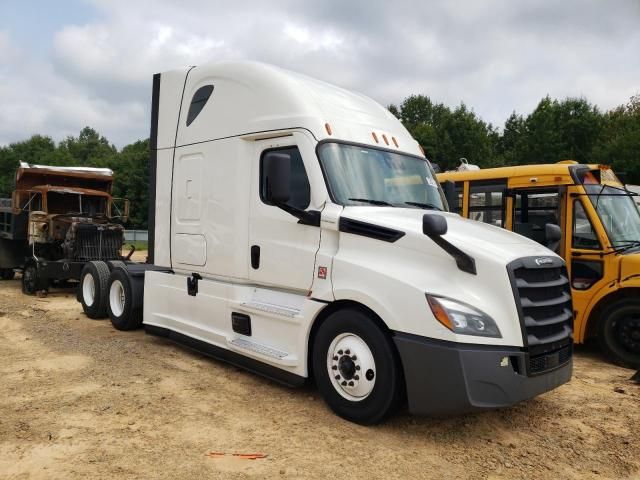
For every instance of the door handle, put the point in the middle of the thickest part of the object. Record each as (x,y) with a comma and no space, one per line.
(255,257)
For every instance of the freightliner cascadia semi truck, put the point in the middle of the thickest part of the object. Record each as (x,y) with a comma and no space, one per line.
(297,230)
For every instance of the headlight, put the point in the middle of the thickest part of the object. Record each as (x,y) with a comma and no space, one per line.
(462,318)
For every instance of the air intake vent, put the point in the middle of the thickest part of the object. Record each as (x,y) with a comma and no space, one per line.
(370,230)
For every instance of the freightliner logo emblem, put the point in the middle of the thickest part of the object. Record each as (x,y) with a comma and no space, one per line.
(544,261)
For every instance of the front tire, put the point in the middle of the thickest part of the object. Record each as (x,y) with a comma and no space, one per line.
(32,282)
(356,367)
(619,332)
(92,290)
(122,312)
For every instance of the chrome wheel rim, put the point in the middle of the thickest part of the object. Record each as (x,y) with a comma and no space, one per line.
(117,298)
(88,290)
(351,367)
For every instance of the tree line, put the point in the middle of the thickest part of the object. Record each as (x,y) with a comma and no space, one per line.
(569,129)
(556,130)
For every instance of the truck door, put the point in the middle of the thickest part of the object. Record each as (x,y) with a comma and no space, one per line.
(587,267)
(282,251)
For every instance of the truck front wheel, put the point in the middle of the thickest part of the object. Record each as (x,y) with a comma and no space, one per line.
(32,281)
(356,368)
(619,332)
(122,312)
(92,290)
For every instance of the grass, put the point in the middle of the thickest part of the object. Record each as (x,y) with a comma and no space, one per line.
(140,245)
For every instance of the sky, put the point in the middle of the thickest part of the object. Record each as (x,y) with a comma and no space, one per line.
(68,64)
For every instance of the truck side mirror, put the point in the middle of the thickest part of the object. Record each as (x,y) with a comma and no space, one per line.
(278,177)
(434,225)
(449,187)
(553,234)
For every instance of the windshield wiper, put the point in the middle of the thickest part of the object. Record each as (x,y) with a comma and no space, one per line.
(429,206)
(372,202)
(627,246)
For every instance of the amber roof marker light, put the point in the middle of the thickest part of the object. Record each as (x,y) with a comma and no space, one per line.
(328,128)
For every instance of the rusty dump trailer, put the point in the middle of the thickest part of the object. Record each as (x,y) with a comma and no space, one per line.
(57,219)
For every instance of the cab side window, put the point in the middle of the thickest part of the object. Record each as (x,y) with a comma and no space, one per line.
(486,202)
(533,210)
(300,188)
(583,235)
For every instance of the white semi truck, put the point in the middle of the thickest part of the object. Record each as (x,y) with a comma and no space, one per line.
(297,230)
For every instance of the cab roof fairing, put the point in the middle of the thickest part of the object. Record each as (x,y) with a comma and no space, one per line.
(252,97)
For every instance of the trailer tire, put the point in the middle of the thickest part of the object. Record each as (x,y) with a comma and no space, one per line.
(619,332)
(7,274)
(31,280)
(356,367)
(122,312)
(92,289)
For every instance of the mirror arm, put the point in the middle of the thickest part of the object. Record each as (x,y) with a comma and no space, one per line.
(464,261)
(305,217)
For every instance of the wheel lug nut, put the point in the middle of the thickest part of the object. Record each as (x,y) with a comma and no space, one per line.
(357,367)
(354,358)
(335,358)
(344,383)
(351,384)
(356,377)
(334,368)
(337,377)
(348,352)
(340,352)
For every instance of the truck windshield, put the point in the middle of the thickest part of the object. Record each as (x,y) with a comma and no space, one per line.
(359,175)
(63,203)
(618,213)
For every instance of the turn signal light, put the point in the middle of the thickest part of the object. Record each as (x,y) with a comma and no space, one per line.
(440,313)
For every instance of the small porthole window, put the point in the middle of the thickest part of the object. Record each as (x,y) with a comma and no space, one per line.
(198,102)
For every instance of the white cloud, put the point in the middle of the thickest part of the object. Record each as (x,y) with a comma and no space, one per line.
(496,56)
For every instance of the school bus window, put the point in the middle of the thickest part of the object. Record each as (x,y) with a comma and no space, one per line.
(486,203)
(584,273)
(583,235)
(533,211)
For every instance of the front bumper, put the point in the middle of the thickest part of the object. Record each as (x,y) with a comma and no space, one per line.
(445,378)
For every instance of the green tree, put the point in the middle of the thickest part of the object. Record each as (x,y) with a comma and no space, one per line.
(447,135)
(620,142)
(88,149)
(131,170)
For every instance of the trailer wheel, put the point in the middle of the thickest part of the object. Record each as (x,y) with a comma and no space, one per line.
(92,290)
(123,314)
(356,368)
(619,332)
(31,280)
(7,274)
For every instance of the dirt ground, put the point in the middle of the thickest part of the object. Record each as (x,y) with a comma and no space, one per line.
(79,399)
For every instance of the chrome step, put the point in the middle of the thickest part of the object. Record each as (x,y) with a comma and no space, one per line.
(257,348)
(274,309)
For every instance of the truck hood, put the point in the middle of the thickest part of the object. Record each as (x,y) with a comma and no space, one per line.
(474,238)
(630,267)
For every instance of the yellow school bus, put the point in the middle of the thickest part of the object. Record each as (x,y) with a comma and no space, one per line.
(599,238)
